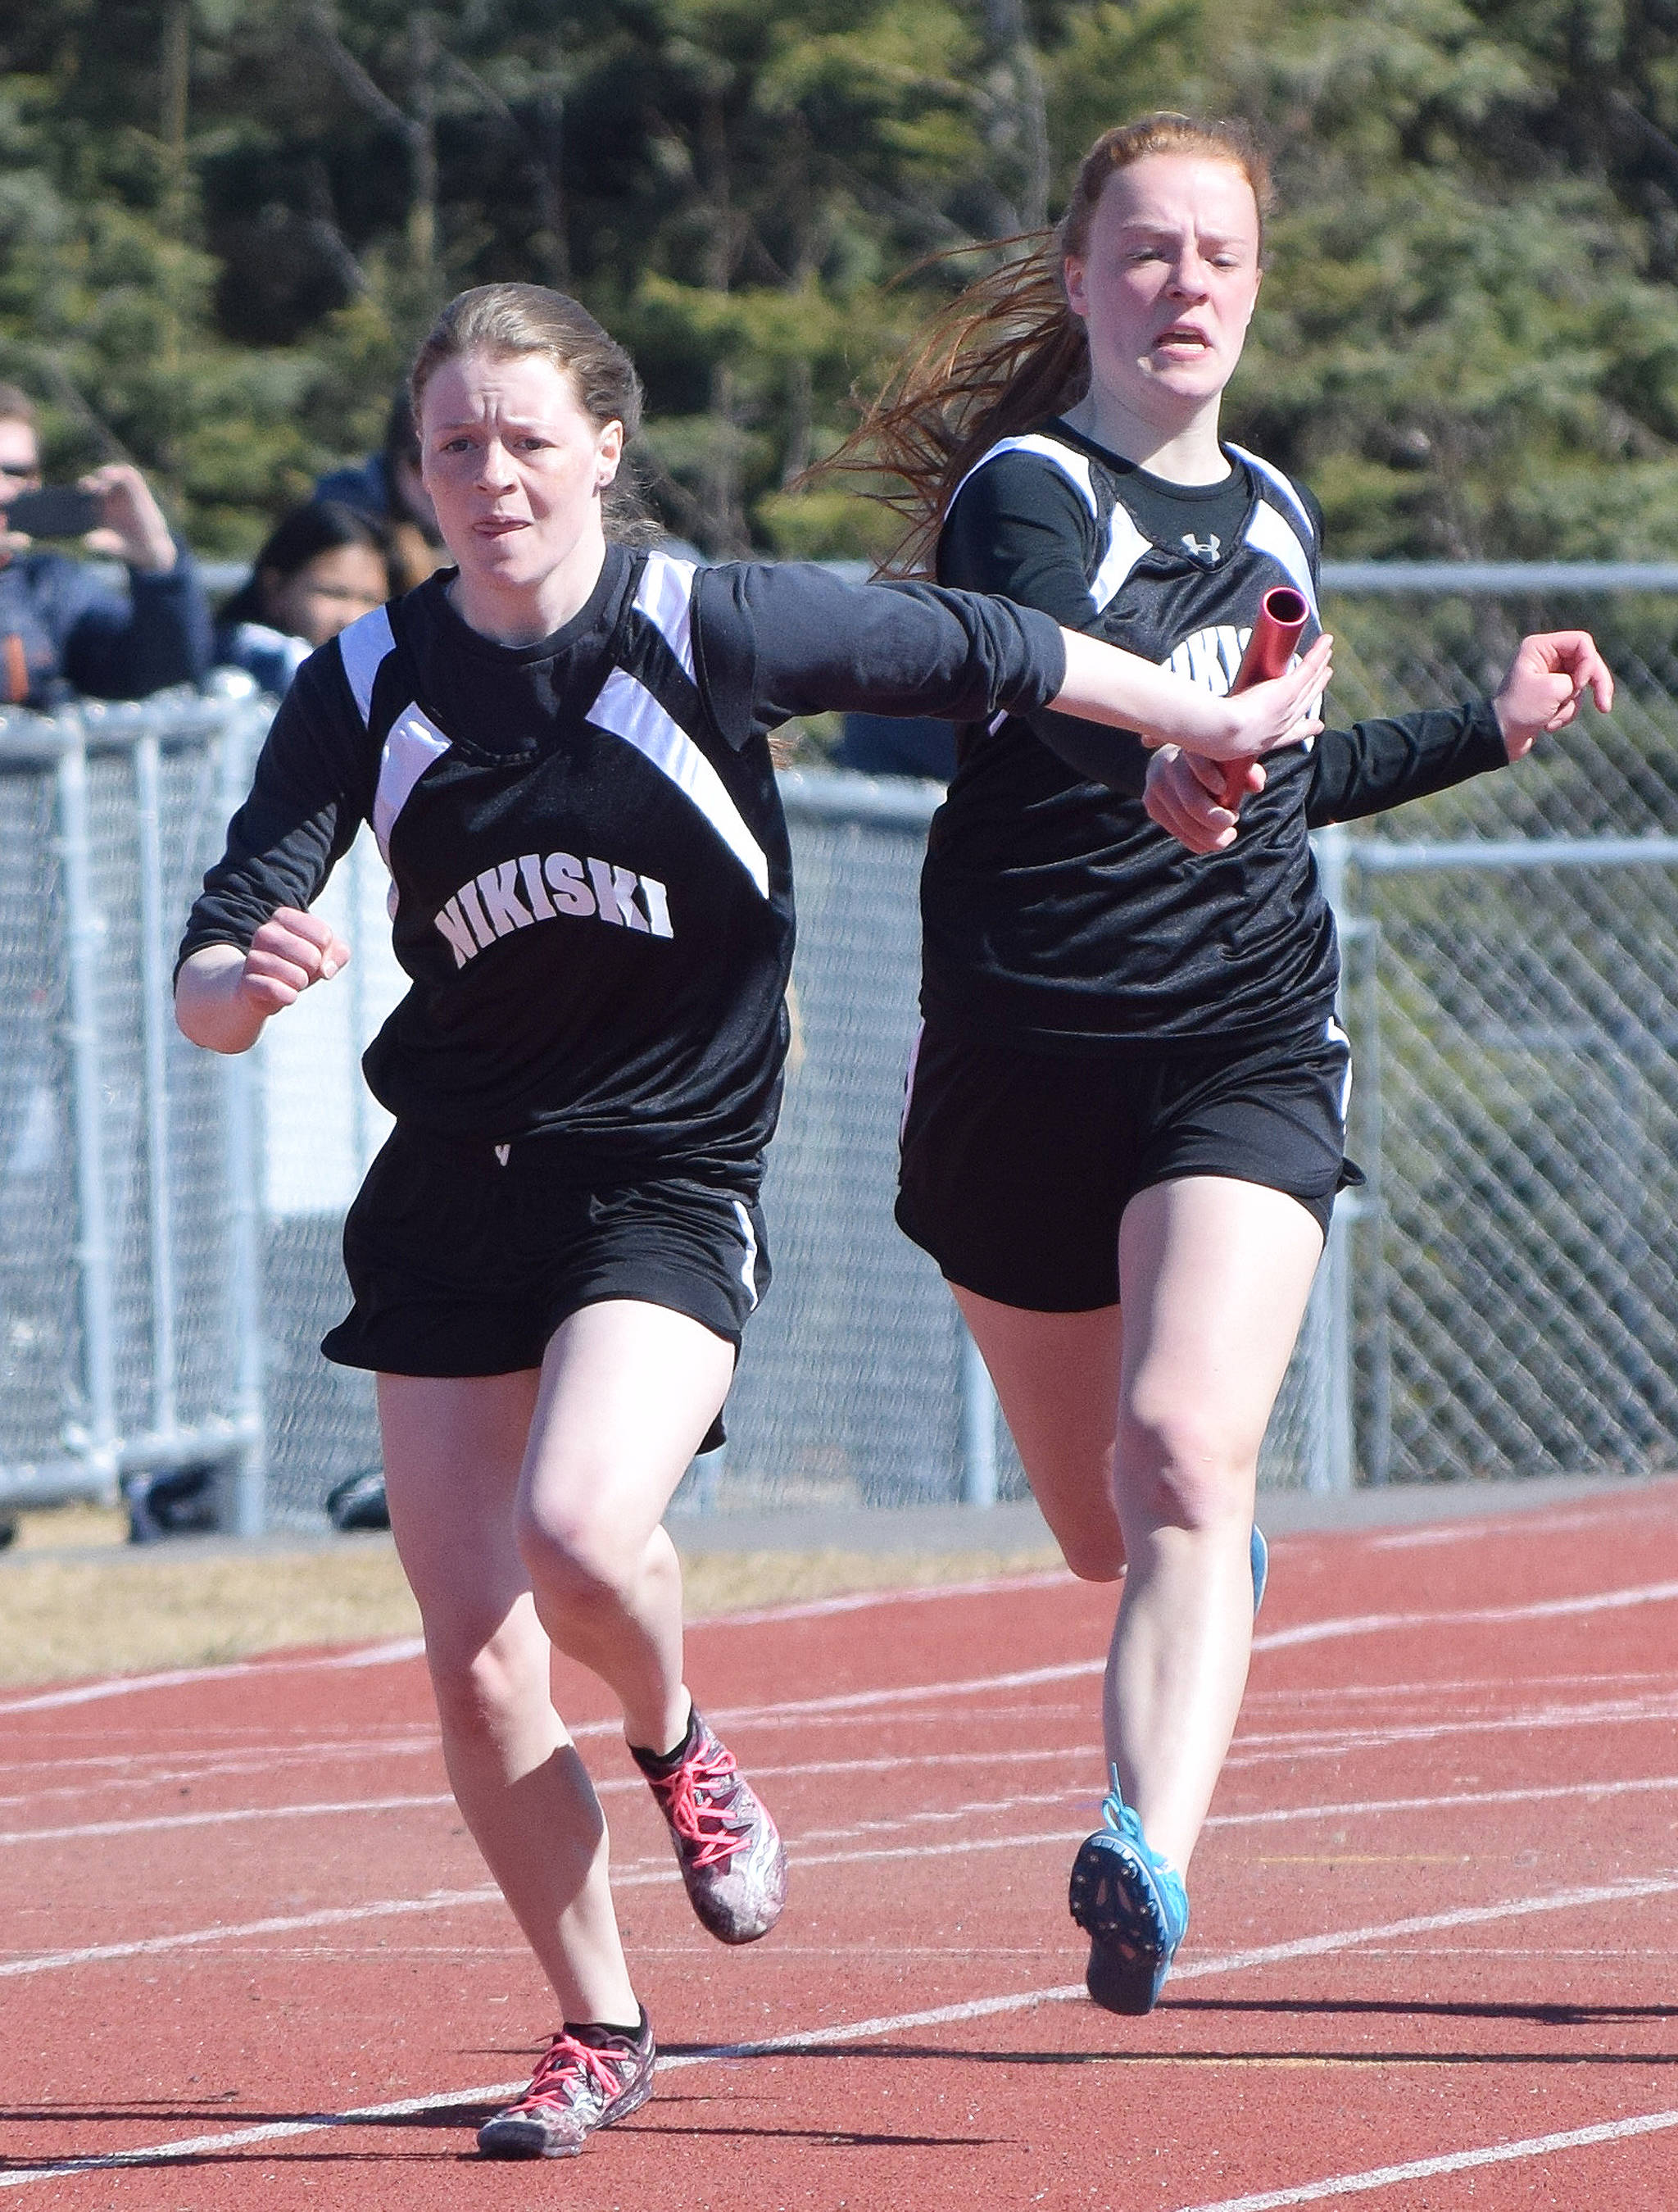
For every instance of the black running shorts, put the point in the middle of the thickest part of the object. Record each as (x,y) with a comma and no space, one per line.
(1017,1165)
(465,1258)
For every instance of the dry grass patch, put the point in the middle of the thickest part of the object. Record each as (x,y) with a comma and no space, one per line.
(63,1618)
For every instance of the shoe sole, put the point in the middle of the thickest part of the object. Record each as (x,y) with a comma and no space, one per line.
(1113,1900)
(530,2139)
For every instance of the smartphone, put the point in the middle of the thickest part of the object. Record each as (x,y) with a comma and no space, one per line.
(57,512)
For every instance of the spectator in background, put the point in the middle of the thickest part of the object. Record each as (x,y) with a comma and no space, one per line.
(387,489)
(323,566)
(63,628)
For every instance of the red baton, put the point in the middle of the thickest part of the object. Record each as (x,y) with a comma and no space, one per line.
(1282,615)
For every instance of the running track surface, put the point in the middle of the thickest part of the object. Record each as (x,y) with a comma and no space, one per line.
(250,1949)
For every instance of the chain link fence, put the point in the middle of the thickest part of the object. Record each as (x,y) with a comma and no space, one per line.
(1510,1289)
(128,1270)
(1502,1299)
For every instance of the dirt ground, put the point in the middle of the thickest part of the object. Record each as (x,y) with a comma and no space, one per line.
(74,1602)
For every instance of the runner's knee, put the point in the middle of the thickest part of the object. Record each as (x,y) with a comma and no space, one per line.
(1183,1465)
(483,1670)
(577,1564)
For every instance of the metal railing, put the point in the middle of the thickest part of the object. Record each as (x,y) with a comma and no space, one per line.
(128,1283)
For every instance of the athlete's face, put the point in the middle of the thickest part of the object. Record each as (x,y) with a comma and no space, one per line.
(1168,284)
(515,466)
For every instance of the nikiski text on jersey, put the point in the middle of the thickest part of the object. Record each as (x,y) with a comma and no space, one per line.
(488,905)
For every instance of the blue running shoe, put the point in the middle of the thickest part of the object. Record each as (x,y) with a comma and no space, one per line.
(1131,1904)
(1261,1567)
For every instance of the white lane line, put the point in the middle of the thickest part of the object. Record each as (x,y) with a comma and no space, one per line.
(1261,1751)
(497,2093)
(142,1770)
(492,2093)
(853,2031)
(819,1608)
(1430,1924)
(1297,1697)
(639,1874)
(1457,1800)
(1347,1809)
(1554,1608)
(128,1686)
(234,1816)
(907,1693)
(339,1916)
(1456,2161)
(1280,1639)
(608,1786)
(1472,1714)
(403,1648)
(1277,1640)
(1617,1513)
(1252,1748)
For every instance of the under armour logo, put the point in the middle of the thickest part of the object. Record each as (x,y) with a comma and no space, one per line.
(1207,549)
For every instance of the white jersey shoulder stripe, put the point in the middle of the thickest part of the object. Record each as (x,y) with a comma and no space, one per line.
(412,743)
(665,596)
(1071,463)
(1125,543)
(629,711)
(1268,532)
(1273,477)
(363,647)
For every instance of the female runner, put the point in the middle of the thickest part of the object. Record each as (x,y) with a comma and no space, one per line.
(1130,1087)
(561,746)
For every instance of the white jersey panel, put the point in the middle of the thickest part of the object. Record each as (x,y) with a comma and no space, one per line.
(1273,476)
(363,647)
(414,742)
(665,596)
(1072,464)
(1268,532)
(1125,546)
(629,711)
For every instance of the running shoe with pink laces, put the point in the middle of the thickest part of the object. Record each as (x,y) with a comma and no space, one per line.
(578,2088)
(732,1861)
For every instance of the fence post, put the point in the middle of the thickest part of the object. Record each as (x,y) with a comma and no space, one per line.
(250,1492)
(154,1018)
(84,934)
(979,1426)
(1329,1315)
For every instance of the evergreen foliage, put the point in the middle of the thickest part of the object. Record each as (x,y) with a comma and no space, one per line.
(224,222)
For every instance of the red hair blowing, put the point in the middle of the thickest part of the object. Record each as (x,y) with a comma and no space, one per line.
(1009,350)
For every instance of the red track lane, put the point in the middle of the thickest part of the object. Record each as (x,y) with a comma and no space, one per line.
(1431,1960)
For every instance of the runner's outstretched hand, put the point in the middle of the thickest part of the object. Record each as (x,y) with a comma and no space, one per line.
(1551,672)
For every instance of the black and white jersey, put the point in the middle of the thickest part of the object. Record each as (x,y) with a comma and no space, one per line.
(1055,911)
(591,887)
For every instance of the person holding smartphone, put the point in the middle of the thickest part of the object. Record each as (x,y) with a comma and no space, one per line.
(63,628)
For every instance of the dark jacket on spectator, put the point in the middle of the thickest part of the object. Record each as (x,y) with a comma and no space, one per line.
(74,634)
